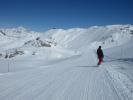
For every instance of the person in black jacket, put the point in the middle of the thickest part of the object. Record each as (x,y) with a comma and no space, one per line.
(100,55)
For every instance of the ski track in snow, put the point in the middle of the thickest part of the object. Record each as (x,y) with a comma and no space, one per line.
(123,82)
(58,83)
(69,79)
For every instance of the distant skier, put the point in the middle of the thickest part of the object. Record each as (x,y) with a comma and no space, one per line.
(100,55)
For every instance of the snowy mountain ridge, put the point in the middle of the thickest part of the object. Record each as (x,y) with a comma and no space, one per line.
(79,37)
(73,39)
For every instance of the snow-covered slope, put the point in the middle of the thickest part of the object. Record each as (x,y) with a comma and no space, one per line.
(62,64)
(15,37)
(22,40)
(24,43)
(112,35)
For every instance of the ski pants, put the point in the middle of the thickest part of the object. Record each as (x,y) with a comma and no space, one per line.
(100,60)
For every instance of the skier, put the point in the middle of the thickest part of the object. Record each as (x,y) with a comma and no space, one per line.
(100,55)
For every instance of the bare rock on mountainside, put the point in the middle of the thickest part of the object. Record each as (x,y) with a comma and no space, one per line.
(131,32)
(39,43)
(2,32)
(13,54)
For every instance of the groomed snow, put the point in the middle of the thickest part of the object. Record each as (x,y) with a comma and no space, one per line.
(68,70)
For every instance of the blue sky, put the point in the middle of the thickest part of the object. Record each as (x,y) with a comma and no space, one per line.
(40,15)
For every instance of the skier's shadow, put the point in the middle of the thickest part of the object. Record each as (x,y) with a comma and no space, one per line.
(88,66)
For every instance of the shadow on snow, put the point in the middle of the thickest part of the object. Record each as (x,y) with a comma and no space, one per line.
(87,66)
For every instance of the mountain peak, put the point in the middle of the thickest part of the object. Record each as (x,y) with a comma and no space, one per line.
(21,28)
